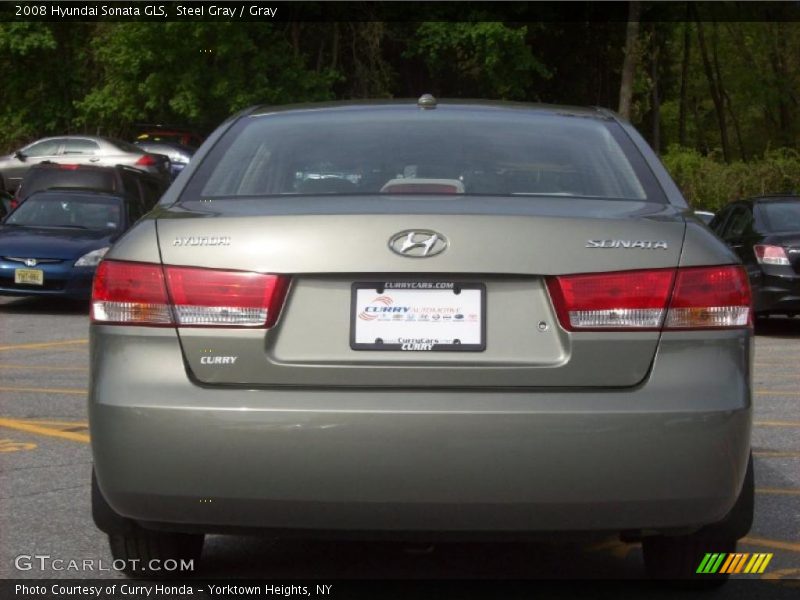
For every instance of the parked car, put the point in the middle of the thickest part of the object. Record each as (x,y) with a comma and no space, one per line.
(118,179)
(765,234)
(168,133)
(73,149)
(178,154)
(481,319)
(51,244)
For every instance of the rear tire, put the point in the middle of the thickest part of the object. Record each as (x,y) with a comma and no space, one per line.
(678,557)
(137,546)
(151,553)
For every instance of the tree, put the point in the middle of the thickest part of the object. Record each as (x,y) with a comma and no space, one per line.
(631,56)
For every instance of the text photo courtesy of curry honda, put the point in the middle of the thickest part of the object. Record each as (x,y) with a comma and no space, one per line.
(359,307)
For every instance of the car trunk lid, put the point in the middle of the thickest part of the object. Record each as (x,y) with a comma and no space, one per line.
(506,248)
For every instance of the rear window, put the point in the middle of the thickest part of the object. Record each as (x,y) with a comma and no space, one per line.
(424,152)
(781,216)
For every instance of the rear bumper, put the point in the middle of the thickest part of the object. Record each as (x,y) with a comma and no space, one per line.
(670,453)
(777,293)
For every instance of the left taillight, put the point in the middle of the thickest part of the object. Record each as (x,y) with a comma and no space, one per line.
(127,293)
(687,298)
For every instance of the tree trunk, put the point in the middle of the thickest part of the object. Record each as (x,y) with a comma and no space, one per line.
(629,64)
(687,48)
(716,95)
(656,97)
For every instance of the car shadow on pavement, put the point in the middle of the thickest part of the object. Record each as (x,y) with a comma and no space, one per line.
(43,306)
(252,557)
(778,327)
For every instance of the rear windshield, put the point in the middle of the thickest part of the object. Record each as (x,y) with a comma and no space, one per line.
(424,152)
(66,178)
(68,210)
(781,216)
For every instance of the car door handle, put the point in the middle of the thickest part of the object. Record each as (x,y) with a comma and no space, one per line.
(94,159)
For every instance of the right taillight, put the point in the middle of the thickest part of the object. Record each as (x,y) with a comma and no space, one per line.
(709,297)
(688,298)
(128,293)
(770,255)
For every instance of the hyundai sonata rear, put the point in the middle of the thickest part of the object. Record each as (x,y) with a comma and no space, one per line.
(422,319)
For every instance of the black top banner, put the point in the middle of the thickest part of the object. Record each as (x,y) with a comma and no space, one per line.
(266,11)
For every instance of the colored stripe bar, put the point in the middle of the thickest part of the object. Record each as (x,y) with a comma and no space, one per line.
(703,563)
(765,563)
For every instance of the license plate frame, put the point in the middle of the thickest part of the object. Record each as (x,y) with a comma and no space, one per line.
(410,290)
(28,277)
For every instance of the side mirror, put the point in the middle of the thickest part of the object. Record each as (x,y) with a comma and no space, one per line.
(20,155)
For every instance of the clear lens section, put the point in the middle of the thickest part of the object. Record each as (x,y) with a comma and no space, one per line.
(130,312)
(713,316)
(771,255)
(627,317)
(93,258)
(221,315)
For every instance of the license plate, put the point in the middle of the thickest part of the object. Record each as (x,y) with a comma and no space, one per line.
(418,316)
(29,276)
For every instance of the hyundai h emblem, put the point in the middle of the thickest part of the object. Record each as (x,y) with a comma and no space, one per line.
(418,243)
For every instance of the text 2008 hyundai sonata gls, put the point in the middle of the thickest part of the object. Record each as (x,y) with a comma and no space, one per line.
(426,319)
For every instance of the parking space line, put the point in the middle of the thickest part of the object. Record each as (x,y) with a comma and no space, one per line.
(37,368)
(790,393)
(39,430)
(37,390)
(44,344)
(776,423)
(779,491)
(767,543)
(776,454)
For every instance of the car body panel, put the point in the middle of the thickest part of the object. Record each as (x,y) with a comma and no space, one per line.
(312,458)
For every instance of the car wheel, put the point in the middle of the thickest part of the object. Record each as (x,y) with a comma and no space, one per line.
(156,553)
(139,547)
(679,557)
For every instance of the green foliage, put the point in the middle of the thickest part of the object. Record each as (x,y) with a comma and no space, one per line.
(215,70)
(489,60)
(709,184)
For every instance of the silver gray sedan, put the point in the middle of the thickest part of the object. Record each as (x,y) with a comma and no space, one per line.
(424,319)
(81,150)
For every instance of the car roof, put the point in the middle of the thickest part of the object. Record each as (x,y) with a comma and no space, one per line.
(448,105)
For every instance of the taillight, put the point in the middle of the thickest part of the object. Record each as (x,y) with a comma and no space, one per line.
(227,298)
(147,294)
(621,300)
(770,255)
(710,297)
(146,161)
(131,294)
(690,298)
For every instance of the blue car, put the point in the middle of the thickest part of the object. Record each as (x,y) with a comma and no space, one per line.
(52,243)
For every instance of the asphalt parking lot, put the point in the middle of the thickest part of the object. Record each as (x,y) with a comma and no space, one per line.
(45,466)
